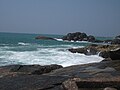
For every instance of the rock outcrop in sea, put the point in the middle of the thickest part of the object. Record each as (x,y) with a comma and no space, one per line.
(44,38)
(78,36)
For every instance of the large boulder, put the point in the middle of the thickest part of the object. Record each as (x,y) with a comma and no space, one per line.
(78,36)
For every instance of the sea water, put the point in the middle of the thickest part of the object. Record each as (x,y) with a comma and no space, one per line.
(18,48)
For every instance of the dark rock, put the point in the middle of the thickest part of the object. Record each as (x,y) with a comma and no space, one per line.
(107,69)
(115,55)
(91,38)
(86,51)
(32,82)
(98,41)
(34,69)
(117,37)
(105,51)
(115,41)
(93,45)
(46,69)
(104,54)
(82,35)
(78,36)
(91,51)
(108,51)
(44,38)
(107,41)
(78,50)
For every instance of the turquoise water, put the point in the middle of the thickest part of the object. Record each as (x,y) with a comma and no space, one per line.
(18,48)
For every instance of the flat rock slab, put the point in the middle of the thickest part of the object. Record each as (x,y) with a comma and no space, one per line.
(106,69)
(28,69)
(32,82)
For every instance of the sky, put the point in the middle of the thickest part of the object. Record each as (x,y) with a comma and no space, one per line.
(94,17)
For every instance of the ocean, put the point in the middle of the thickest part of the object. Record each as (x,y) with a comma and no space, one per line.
(19,48)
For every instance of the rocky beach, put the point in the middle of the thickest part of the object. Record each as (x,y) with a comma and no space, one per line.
(104,75)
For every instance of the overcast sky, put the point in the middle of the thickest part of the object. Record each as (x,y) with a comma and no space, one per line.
(94,17)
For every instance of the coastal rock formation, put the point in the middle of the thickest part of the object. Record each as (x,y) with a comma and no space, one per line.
(93,76)
(105,51)
(78,36)
(44,38)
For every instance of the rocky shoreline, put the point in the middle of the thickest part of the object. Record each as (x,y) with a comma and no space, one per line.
(93,76)
(104,75)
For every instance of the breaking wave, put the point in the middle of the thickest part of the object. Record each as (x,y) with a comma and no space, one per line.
(46,56)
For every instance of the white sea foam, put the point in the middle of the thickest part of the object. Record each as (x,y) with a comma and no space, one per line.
(58,39)
(22,43)
(47,56)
